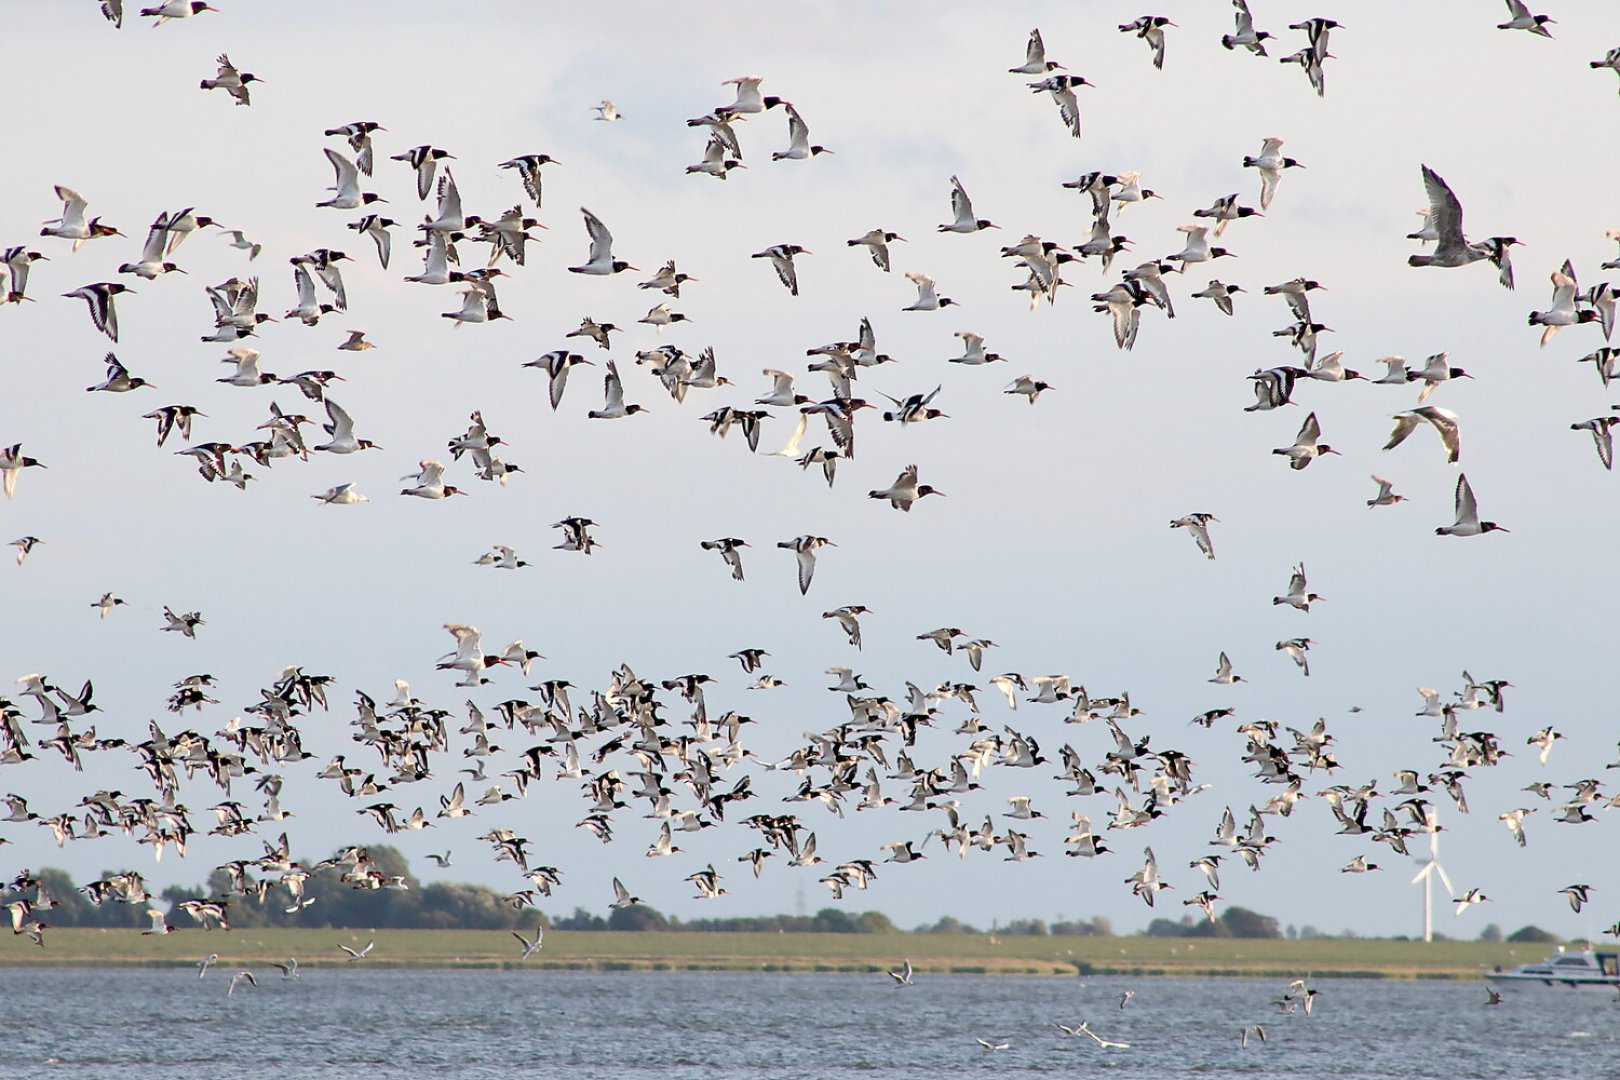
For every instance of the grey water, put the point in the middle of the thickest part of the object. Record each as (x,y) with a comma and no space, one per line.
(119,1023)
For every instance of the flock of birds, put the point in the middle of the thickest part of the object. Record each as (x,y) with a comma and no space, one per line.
(648,748)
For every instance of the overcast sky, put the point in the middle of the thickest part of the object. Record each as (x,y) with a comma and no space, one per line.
(1052,539)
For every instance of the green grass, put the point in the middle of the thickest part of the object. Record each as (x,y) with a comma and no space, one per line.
(930,953)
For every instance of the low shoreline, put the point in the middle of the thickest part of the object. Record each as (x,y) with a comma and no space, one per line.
(933,954)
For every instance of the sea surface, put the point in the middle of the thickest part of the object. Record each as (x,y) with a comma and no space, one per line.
(161,1023)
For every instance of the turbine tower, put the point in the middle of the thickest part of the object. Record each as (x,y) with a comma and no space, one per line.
(1427,875)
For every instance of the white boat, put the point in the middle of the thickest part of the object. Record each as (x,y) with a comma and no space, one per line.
(1579,970)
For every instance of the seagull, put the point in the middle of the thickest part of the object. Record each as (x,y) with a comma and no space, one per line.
(1519,18)
(903,976)
(990,1046)
(607,111)
(1386,495)
(927,298)
(877,242)
(289,970)
(613,407)
(601,261)
(1271,164)
(241,977)
(1259,1033)
(357,954)
(1444,422)
(1197,525)
(962,207)
(1445,215)
(1467,523)
(805,548)
(530,947)
(1106,1044)
(1306,449)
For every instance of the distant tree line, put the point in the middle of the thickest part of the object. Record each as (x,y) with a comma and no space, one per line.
(1234,922)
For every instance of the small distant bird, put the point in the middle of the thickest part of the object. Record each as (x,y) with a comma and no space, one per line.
(927,298)
(1469,899)
(231,81)
(905,490)
(1602,435)
(1445,216)
(728,549)
(175,9)
(1126,996)
(1035,61)
(1223,673)
(100,298)
(25,545)
(239,978)
(528,169)
(613,407)
(1577,895)
(1270,163)
(342,495)
(1150,28)
(1467,523)
(962,207)
(1519,18)
(1259,1033)
(607,111)
(1029,386)
(1306,448)
(1296,648)
(1386,495)
(358,954)
(107,602)
(289,969)
(848,618)
(1219,292)
(346,193)
(530,947)
(601,261)
(1358,865)
(800,148)
(356,342)
(805,548)
(621,896)
(903,976)
(1493,997)
(185,624)
(1297,597)
(877,242)
(781,256)
(1444,422)
(1244,33)
(992,1047)
(1197,525)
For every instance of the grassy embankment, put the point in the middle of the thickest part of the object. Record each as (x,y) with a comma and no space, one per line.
(929,953)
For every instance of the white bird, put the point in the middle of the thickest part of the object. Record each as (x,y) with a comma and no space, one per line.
(1035,61)
(877,242)
(1306,448)
(1520,18)
(927,298)
(1029,386)
(1197,525)
(903,976)
(72,224)
(1444,422)
(962,207)
(1386,495)
(531,947)
(1244,33)
(601,261)
(342,495)
(175,9)
(1563,311)
(905,490)
(799,145)
(621,896)
(613,407)
(1602,435)
(346,185)
(1467,523)
(607,111)
(1270,162)
(239,978)
(232,81)
(429,482)
(357,954)
(1297,598)
(1469,899)
(151,264)
(1223,673)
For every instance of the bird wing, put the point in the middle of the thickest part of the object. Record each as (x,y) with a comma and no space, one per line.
(73,206)
(601,239)
(156,236)
(1035,51)
(613,387)
(1309,432)
(1445,212)
(342,425)
(306,286)
(1405,423)
(347,176)
(807,568)
(961,205)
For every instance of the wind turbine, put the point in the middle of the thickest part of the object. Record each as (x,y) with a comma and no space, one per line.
(1427,874)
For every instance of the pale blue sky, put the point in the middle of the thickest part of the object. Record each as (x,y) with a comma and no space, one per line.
(1052,540)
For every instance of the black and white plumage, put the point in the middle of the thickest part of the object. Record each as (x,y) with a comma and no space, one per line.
(781,256)
(1468,522)
(804,549)
(100,296)
(728,549)
(601,261)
